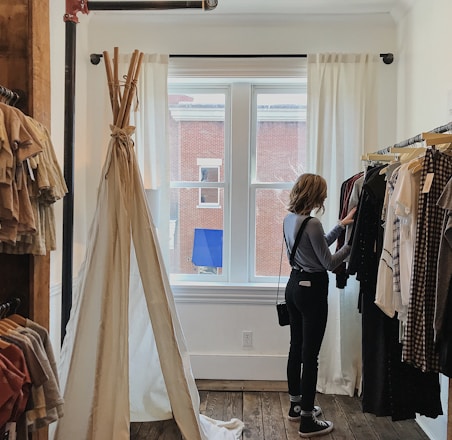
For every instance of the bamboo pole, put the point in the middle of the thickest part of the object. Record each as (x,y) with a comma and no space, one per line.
(133,87)
(125,97)
(116,88)
(109,80)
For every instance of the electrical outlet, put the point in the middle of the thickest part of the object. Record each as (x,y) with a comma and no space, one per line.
(247,339)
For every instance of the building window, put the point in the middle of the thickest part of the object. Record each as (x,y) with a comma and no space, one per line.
(209,172)
(236,146)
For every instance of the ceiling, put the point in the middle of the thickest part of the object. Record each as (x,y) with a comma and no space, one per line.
(256,10)
(306,6)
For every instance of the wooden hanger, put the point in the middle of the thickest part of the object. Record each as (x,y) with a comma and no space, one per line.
(4,325)
(416,164)
(18,319)
(437,138)
(11,323)
(375,157)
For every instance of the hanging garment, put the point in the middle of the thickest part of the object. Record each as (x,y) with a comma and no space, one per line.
(31,181)
(94,368)
(390,386)
(418,343)
(348,189)
(386,297)
(405,199)
(443,305)
(30,356)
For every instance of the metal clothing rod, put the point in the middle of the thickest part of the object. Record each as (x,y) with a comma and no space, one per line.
(9,307)
(387,58)
(11,97)
(417,138)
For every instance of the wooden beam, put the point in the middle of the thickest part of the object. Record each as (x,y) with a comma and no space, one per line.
(241,385)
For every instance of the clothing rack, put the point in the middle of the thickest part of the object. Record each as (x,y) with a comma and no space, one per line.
(418,138)
(9,307)
(410,141)
(8,95)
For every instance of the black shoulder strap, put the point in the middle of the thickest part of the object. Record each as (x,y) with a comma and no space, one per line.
(297,240)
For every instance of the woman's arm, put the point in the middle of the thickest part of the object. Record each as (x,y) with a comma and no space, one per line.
(321,248)
(337,230)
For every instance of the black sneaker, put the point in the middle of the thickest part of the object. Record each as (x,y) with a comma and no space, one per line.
(295,411)
(311,427)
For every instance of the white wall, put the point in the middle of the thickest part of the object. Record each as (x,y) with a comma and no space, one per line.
(424,81)
(425,101)
(219,354)
(102,31)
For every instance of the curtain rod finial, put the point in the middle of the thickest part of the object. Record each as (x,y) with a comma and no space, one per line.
(388,58)
(211,4)
(95,58)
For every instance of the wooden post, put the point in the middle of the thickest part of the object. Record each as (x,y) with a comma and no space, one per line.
(25,66)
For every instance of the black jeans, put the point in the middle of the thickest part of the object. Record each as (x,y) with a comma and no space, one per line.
(307,303)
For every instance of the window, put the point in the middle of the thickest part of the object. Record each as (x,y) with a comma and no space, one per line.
(237,145)
(209,172)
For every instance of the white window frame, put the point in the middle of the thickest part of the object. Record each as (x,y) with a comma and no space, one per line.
(199,87)
(239,234)
(254,185)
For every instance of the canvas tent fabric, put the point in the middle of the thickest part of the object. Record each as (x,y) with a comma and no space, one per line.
(94,368)
(113,366)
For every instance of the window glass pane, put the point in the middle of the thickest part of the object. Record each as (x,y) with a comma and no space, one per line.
(280,136)
(270,211)
(196,245)
(196,130)
(209,197)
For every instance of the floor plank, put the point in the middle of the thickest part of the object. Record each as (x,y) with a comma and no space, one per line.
(291,427)
(273,422)
(264,414)
(252,416)
(356,419)
(333,412)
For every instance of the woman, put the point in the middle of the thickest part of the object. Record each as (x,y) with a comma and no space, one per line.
(306,297)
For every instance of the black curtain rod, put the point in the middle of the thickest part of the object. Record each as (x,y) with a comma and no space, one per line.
(387,58)
(415,139)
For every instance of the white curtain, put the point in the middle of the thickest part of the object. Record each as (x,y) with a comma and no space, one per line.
(341,125)
(150,117)
(124,355)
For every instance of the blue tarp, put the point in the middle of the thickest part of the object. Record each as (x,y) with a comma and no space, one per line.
(208,248)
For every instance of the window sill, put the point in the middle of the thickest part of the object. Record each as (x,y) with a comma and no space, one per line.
(226,293)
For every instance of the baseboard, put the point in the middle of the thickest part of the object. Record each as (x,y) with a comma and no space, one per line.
(238,367)
(241,385)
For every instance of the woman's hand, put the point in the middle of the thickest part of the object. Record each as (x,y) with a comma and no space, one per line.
(349,217)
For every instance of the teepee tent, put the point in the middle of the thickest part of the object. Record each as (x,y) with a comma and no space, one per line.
(103,348)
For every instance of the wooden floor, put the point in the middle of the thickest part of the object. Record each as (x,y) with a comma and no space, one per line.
(264,414)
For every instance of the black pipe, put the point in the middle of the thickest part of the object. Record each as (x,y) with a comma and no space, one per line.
(155,5)
(69,123)
(68,201)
